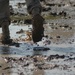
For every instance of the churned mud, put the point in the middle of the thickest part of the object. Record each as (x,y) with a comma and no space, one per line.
(55,56)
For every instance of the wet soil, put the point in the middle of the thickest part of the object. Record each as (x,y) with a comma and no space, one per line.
(56,58)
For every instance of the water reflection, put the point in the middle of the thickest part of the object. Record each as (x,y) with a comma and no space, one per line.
(37,53)
(5,50)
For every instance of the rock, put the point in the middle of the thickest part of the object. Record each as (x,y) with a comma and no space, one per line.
(21,31)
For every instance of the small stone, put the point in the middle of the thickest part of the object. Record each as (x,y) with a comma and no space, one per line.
(58,36)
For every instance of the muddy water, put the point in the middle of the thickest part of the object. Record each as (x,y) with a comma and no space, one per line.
(58,33)
(18,60)
(59,49)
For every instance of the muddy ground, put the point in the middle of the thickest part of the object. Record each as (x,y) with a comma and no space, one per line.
(56,58)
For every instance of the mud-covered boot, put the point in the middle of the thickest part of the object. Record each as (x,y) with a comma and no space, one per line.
(5,33)
(38,29)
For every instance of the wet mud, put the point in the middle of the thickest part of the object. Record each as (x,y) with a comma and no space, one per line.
(54,55)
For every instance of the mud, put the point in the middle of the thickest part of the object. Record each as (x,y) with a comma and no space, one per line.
(56,57)
(37,64)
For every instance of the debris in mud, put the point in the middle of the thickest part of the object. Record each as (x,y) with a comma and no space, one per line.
(38,62)
(27,64)
(29,36)
(66,26)
(51,57)
(51,37)
(15,44)
(0,66)
(41,48)
(58,36)
(47,66)
(60,30)
(7,68)
(21,73)
(19,32)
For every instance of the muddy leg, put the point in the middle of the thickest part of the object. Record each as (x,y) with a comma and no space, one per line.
(34,8)
(5,32)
